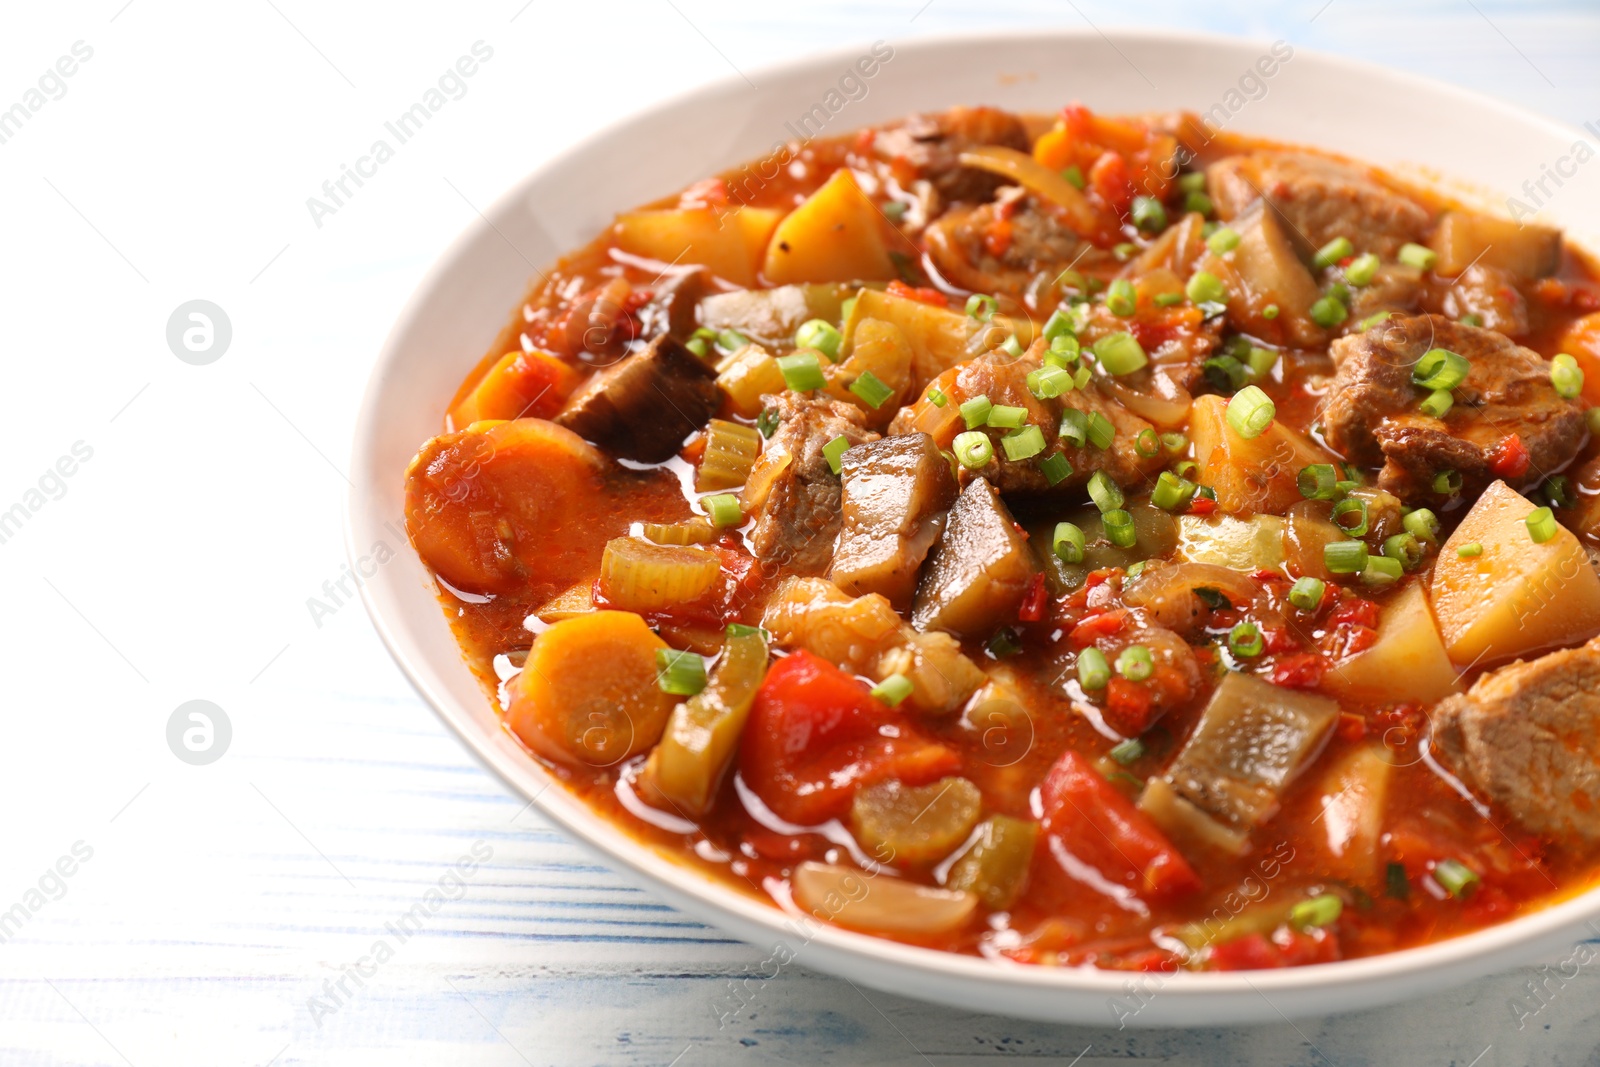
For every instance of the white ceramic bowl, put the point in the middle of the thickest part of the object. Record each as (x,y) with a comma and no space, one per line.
(1374,114)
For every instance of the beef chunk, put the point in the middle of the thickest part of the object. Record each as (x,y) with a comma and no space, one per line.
(793,488)
(981,570)
(643,406)
(1000,247)
(933,144)
(896,493)
(1321,199)
(1528,737)
(1370,414)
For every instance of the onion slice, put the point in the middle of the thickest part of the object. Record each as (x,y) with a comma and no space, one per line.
(1041,181)
(879,903)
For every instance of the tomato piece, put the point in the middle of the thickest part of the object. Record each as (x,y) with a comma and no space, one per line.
(816,735)
(1095,627)
(1303,670)
(1510,459)
(1287,947)
(1110,182)
(1101,828)
(1033,602)
(1128,706)
(921,293)
(1355,610)
(1202,505)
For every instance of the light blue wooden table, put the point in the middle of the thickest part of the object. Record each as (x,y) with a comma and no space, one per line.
(233,913)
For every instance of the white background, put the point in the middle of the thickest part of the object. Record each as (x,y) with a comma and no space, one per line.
(177,562)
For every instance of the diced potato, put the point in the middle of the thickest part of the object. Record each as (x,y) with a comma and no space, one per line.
(1408,661)
(913,826)
(1354,791)
(1251,476)
(1243,544)
(939,338)
(880,348)
(879,904)
(748,375)
(729,243)
(835,235)
(1526,249)
(1514,597)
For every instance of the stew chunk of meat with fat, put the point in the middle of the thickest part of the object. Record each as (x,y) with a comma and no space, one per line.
(1136,542)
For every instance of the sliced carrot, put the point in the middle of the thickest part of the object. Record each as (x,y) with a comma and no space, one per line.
(588,695)
(520,385)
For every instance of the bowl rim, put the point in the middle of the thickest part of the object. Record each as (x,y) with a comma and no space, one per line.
(757,921)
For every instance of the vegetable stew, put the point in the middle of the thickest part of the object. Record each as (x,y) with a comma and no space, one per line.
(1068,539)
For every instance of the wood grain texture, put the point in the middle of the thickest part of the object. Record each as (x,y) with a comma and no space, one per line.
(223,904)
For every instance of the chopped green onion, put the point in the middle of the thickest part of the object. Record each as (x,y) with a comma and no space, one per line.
(1592,419)
(1105,493)
(1447,483)
(1261,362)
(1148,214)
(981,307)
(1120,529)
(682,674)
(1381,571)
(739,629)
(1003,643)
(1101,432)
(1362,270)
(1192,182)
(936,396)
(1166,300)
(1199,203)
(724,509)
(1137,568)
(1319,481)
(1566,376)
(1245,640)
(1348,506)
(1023,444)
(767,422)
(1059,324)
(872,389)
(1012,347)
(1148,443)
(1174,442)
(1074,427)
(1541,525)
(1225,372)
(1440,368)
(1306,593)
(1320,910)
(1120,298)
(1470,550)
(1093,670)
(1225,240)
(847,308)
(1437,404)
(1405,548)
(1124,251)
(1469,319)
(1056,467)
(834,451)
(802,372)
(1206,288)
(1080,378)
(1074,176)
(1049,381)
(976,411)
(1423,525)
(1172,493)
(1557,491)
(893,689)
(1250,412)
(973,449)
(1063,351)
(1067,541)
(1456,877)
(1345,557)
(1333,252)
(1120,353)
(731,340)
(1372,320)
(1415,255)
(1328,312)
(894,210)
(1006,417)
(698,346)
(1269,312)
(1135,663)
(820,334)
(1185,467)
(1128,752)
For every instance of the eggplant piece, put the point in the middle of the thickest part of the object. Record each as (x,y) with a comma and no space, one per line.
(1253,739)
(896,493)
(981,570)
(643,406)
(1265,270)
